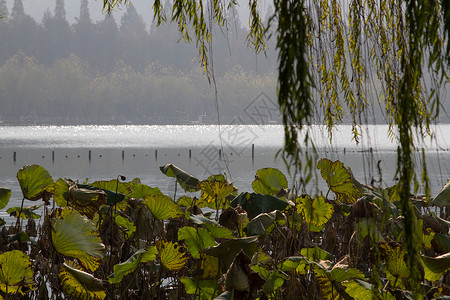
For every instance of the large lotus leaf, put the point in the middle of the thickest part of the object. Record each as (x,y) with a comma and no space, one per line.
(442,199)
(77,237)
(128,266)
(123,189)
(395,262)
(255,204)
(188,182)
(86,201)
(35,182)
(16,275)
(80,284)
(442,242)
(214,192)
(269,181)
(209,266)
(218,231)
(329,281)
(172,255)
(437,264)
(315,211)
(265,223)
(228,250)
(196,239)
(162,207)
(295,263)
(204,288)
(61,194)
(125,224)
(24,213)
(359,289)
(140,190)
(5,195)
(340,180)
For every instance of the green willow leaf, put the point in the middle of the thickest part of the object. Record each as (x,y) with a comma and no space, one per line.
(315,211)
(81,284)
(340,180)
(5,195)
(269,181)
(172,255)
(131,264)
(75,236)
(16,275)
(35,182)
(162,207)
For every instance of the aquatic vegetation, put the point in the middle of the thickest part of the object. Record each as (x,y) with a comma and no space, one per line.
(126,240)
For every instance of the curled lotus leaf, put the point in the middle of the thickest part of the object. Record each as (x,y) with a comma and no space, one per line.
(86,201)
(188,182)
(5,195)
(81,284)
(442,199)
(36,182)
(340,180)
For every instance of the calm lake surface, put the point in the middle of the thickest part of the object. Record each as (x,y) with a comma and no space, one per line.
(139,151)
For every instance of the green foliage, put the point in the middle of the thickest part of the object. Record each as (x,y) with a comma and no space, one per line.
(5,194)
(24,213)
(315,211)
(35,182)
(269,181)
(172,255)
(16,276)
(81,284)
(255,204)
(162,207)
(186,180)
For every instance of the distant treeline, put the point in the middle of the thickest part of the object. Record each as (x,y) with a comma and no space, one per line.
(56,73)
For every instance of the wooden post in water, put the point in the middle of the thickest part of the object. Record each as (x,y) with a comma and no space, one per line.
(89,155)
(253,152)
(123,155)
(190,154)
(53,156)
(14,156)
(220,153)
(156,154)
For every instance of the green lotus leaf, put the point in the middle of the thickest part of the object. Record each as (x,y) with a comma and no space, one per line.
(294,263)
(86,201)
(199,219)
(438,264)
(77,237)
(188,182)
(264,223)
(109,188)
(61,194)
(214,192)
(125,223)
(255,204)
(269,181)
(24,213)
(188,202)
(16,275)
(218,232)
(395,262)
(204,288)
(172,255)
(442,199)
(80,284)
(162,207)
(35,182)
(442,242)
(5,195)
(131,264)
(359,289)
(315,254)
(140,190)
(330,281)
(209,267)
(315,211)
(340,180)
(227,250)
(196,239)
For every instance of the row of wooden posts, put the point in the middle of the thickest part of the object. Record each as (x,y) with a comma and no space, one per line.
(123,154)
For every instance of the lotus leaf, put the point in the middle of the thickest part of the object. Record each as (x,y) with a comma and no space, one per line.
(214,193)
(162,207)
(265,223)
(442,242)
(196,239)
(227,295)
(35,182)
(209,266)
(340,180)
(172,255)
(255,204)
(61,194)
(228,250)
(330,281)
(24,213)
(438,264)
(442,199)
(218,232)
(125,223)
(140,190)
(5,195)
(111,196)
(77,237)
(16,275)
(131,264)
(188,182)
(395,262)
(315,254)
(205,288)
(315,211)
(269,181)
(86,201)
(81,284)
(294,263)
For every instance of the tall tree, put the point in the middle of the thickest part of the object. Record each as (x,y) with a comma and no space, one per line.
(17,10)
(60,11)
(85,15)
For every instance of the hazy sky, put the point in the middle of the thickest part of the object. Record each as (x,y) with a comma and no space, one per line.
(36,9)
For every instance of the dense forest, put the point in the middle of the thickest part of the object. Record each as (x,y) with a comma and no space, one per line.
(111,72)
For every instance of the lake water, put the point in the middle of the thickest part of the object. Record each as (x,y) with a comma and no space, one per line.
(104,152)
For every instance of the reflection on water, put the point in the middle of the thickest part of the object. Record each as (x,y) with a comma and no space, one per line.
(139,151)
